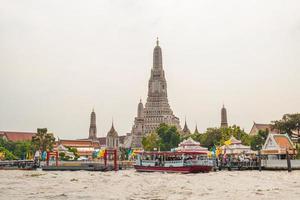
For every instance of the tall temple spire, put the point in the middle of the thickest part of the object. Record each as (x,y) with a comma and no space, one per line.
(196,130)
(157,56)
(156,109)
(224,123)
(140,113)
(186,130)
(93,128)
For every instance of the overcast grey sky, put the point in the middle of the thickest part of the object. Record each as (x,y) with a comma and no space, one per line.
(61,58)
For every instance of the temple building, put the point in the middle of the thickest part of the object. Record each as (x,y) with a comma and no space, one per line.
(224,123)
(85,147)
(190,145)
(236,147)
(157,109)
(112,138)
(93,128)
(277,146)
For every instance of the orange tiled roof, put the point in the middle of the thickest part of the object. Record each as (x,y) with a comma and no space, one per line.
(17,136)
(283,142)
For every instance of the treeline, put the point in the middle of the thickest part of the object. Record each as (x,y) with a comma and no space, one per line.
(167,137)
(25,149)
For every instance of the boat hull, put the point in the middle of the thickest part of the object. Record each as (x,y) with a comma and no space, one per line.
(183,169)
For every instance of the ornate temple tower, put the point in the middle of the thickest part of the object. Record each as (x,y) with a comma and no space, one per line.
(224,123)
(157,109)
(93,128)
(112,138)
(137,131)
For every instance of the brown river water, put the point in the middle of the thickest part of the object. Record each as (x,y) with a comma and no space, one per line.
(128,184)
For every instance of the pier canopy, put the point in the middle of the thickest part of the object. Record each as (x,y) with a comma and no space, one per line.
(190,145)
(278,144)
(235,146)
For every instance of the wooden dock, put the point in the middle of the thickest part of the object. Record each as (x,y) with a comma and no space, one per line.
(19,164)
(78,166)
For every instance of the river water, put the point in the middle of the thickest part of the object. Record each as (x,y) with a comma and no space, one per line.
(128,184)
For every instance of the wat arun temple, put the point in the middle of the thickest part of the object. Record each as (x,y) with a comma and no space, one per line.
(157,109)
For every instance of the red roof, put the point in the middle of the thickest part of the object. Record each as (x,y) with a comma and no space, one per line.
(78,143)
(170,153)
(102,141)
(17,136)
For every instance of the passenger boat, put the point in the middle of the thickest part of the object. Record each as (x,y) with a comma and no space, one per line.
(182,162)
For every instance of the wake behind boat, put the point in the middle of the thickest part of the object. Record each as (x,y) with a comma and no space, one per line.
(182,162)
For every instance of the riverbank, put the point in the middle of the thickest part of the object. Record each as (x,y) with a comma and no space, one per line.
(128,184)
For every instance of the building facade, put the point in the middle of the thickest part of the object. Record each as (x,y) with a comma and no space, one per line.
(157,109)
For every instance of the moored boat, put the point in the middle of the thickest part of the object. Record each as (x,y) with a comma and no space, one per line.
(182,162)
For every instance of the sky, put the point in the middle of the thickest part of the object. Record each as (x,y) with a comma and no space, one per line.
(59,59)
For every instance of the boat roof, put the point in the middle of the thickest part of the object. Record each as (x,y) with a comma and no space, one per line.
(170,153)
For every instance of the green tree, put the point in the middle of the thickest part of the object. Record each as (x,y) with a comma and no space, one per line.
(151,142)
(22,149)
(19,149)
(6,154)
(288,124)
(74,151)
(42,140)
(257,141)
(217,136)
(169,137)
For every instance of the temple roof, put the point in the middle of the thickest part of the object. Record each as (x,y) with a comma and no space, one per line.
(17,136)
(234,140)
(112,132)
(189,142)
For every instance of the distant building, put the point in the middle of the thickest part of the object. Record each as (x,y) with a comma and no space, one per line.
(157,109)
(224,123)
(259,127)
(102,141)
(14,136)
(84,147)
(236,147)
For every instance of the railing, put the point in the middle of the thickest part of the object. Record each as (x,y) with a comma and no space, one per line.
(280,164)
(200,162)
(148,163)
(173,163)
